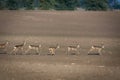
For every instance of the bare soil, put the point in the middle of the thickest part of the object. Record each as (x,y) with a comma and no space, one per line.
(65,28)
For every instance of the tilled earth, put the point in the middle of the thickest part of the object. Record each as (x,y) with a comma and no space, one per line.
(64,67)
(65,28)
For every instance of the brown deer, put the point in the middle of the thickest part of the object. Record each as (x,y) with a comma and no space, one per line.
(98,48)
(73,48)
(19,47)
(34,47)
(52,49)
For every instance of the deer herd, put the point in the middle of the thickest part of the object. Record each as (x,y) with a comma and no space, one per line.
(72,49)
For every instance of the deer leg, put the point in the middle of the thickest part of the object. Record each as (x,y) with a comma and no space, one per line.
(90,50)
(37,50)
(52,52)
(77,51)
(27,51)
(14,50)
(22,50)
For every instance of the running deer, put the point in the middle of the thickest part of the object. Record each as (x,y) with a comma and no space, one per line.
(3,45)
(52,49)
(74,49)
(18,47)
(96,49)
(34,47)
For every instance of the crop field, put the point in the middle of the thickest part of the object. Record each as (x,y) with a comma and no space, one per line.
(63,28)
